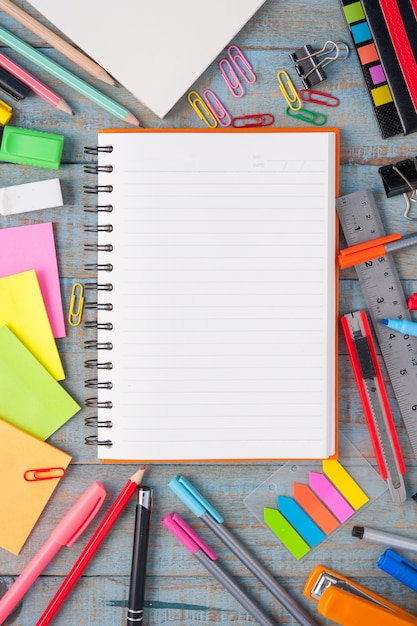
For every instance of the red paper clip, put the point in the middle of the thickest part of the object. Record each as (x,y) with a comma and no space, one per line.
(248,121)
(45,473)
(318,97)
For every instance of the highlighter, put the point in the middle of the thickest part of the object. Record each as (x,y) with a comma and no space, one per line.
(31,147)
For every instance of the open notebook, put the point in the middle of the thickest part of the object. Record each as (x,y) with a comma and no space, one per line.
(217,306)
(156,49)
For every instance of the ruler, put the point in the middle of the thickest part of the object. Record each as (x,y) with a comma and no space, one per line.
(384,297)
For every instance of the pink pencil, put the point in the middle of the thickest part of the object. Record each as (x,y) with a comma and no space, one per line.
(42,90)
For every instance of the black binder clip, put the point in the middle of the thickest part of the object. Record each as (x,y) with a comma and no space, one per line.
(401,178)
(309,64)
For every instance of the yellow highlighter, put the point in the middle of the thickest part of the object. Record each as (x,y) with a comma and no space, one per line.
(349,604)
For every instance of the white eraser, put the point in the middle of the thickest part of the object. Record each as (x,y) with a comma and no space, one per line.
(44,194)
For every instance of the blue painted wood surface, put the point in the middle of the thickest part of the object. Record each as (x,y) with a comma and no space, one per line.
(179,591)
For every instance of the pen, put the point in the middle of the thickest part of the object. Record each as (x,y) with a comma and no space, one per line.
(91,548)
(384,538)
(65,48)
(67,77)
(399,568)
(37,86)
(203,553)
(208,514)
(65,534)
(139,555)
(375,248)
(406,327)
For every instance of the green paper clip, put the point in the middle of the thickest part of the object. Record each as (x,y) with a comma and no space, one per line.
(318,119)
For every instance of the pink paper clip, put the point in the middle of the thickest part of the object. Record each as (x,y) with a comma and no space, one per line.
(318,97)
(237,62)
(231,79)
(250,121)
(45,473)
(217,108)
(237,57)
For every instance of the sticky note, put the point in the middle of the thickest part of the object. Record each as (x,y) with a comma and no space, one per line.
(368,53)
(299,519)
(286,533)
(23,310)
(308,500)
(344,482)
(324,489)
(32,247)
(353,12)
(381,95)
(30,398)
(361,32)
(22,501)
(377,74)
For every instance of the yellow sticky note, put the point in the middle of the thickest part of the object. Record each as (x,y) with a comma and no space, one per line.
(23,310)
(381,95)
(344,482)
(24,498)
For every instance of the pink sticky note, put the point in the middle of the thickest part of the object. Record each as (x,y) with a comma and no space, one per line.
(329,495)
(32,247)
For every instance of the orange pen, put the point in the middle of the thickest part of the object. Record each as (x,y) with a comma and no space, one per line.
(350,604)
(369,250)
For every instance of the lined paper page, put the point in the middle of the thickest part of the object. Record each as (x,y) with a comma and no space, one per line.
(223,295)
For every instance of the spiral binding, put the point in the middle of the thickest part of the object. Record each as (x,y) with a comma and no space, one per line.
(97,268)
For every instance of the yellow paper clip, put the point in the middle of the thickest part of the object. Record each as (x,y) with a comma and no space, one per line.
(202,110)
(288,90)
(76,305)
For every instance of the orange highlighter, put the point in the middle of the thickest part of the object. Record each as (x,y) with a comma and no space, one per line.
(375,248)
(349,604)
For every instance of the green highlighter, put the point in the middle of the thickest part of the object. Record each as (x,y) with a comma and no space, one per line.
(31,147)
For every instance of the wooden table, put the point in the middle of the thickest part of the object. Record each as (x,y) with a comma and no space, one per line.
(179,591)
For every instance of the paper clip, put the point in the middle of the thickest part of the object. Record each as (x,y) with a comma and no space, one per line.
(401,178)
(45,473)
(288,90)
(217,108)
(318,119)
(318,97)
(242,65)
(202,110)
(76,305)
(309,68)
(249,121)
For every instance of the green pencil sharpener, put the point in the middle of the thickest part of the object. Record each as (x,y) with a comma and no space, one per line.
(31,147)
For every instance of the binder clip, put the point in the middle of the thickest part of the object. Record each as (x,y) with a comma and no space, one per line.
(401,178)
(308,64)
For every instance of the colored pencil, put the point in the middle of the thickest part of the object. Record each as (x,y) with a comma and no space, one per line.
(37,86)
(67,77)
(91,547)
(57,42)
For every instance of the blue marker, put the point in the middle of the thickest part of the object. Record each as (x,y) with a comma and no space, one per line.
(402,326)
(399,568)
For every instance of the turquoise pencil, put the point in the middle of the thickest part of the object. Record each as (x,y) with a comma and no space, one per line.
(67,77)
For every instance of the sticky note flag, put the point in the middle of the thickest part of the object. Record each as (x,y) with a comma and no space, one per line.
(324,489)
(299,519)
(30,398)
(286,533)
(307,499)
(344,482)
(23,499)
(23,310)
(32,247)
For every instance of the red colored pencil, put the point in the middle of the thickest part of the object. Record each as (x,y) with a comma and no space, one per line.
(91,547)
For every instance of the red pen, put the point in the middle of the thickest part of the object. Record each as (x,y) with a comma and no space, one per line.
(91,547)
(65,534)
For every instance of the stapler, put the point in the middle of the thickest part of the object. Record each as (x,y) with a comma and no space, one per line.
(349,604)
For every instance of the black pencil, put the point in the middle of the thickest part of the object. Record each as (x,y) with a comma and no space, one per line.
(139,557)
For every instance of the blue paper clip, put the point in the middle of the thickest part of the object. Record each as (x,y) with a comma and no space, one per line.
(202,110)
(249,121)
(288,90)
(318,119)
(243,67)
(217,108)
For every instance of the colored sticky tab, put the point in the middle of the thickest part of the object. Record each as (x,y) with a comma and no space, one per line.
(330,496)
(381,95)
(344,482)
(353,12)
(286,533)
(302,522)
(308,500)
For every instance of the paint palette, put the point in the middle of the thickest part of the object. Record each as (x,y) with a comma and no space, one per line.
(378,88)
(303,503)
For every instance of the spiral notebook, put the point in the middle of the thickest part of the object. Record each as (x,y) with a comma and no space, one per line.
(216,321)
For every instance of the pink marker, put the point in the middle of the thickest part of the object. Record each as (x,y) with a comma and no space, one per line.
(65,534)
(329,495)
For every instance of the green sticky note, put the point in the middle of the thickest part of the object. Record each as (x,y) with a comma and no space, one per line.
(354,12)
(30,398)
(286,533)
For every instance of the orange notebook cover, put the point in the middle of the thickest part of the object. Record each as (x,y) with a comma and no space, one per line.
(219,317)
